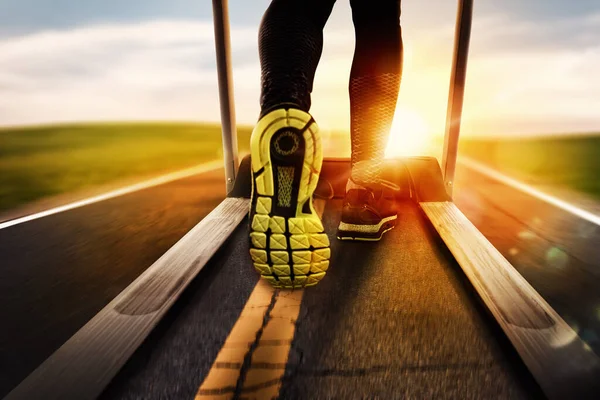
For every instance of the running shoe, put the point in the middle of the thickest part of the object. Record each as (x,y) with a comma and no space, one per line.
(368,212)
(288,245)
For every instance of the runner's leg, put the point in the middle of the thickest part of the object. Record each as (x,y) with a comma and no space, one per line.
(374,83)
(290,46)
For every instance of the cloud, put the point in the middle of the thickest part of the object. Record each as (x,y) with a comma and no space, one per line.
(18,17)
(152,70)
(517,81)
(520,79)
(532,77)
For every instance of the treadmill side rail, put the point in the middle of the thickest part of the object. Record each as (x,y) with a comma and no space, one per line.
(83,366)
(562,363)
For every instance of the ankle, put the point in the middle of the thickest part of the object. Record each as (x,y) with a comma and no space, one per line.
(277,106)
(367,172)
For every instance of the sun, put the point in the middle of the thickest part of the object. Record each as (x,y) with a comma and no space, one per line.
(410,135)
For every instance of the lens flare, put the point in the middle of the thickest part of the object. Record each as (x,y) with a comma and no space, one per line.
(409,136)
(557,258)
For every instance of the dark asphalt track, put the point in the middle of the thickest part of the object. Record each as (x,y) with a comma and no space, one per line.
(59,271)
(557,252)
(389,321)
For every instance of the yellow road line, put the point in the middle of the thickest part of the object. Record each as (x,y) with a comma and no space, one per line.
(252,361)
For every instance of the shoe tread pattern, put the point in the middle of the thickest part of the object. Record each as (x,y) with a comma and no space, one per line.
(289,251)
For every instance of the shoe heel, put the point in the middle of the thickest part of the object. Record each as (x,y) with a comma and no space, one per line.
(288,245)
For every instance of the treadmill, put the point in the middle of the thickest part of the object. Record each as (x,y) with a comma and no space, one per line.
(432,311)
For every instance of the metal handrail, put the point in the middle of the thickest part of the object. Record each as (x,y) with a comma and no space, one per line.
(228,127)
(462,37)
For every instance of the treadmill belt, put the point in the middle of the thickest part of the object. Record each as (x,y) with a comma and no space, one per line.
(397,320)
(394,319)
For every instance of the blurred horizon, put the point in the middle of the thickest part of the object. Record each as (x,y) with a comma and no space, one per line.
(531,70)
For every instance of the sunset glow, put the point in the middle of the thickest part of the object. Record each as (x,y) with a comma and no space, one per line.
(410,134)
(522,77)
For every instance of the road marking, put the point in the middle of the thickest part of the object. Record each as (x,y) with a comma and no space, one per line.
(253,359)
(563,205)
(86,363)
(173,176)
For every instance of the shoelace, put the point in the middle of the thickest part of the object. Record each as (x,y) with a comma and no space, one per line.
(382,182)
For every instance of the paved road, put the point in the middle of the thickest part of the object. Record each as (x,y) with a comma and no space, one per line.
(57,272)
(391,320)
(554,250)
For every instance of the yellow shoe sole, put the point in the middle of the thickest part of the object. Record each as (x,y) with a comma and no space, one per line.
(288,245)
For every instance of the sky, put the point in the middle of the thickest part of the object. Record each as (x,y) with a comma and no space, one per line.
(532,66)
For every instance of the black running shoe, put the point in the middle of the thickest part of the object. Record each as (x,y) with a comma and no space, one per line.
(368,212)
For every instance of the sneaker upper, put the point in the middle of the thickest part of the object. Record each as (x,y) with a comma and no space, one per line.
(369,205)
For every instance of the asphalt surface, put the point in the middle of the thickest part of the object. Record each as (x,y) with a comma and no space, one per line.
(59,271)
(557,252)
(396,320)
(390,320)
(179,353)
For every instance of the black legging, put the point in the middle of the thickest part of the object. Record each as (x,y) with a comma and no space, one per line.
(290,46)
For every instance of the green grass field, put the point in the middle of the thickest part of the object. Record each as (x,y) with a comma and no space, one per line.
(571,162)
(39,162)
